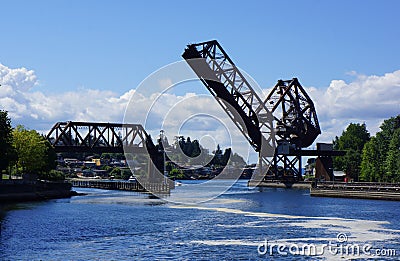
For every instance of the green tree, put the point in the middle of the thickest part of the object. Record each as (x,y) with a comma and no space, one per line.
(125,174)
(392,162)
(370,161)
(388,128)
(116,172)
(352,141)
(196,148)
(32,151)
(226,156)
(7,153)
(50,157)
(176,174)
(53,175)
(188,148)
(376,163)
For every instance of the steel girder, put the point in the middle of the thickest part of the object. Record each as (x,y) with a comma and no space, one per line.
(294,113)
(236,96)
(97,137)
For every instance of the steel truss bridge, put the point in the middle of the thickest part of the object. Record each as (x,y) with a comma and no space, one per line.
(96,137)
(278,128)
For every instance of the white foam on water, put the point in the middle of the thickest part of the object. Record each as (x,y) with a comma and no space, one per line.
(227,242)
(358,231)
(249,213)
(251,224)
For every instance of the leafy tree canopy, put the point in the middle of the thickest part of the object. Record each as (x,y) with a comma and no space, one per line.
(380,159)
(352,141)
(7,154)
(34,152)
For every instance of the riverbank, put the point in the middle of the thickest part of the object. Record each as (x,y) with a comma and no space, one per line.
(278,184)
(354,190)
(381,195)
(19,190)
(358,190)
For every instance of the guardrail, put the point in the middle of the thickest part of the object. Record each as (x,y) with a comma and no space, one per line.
(123,185)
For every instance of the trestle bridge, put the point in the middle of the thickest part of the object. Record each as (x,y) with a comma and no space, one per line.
(279,127)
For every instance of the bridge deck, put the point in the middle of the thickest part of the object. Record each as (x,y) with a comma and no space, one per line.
(123,185)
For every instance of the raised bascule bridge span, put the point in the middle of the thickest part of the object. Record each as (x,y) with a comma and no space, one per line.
(278,128)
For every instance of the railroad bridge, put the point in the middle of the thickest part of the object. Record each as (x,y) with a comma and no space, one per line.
(100,137)
(96,137)
(279,127)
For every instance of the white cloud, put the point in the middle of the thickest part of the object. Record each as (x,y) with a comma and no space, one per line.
(20,79)
(368,99)
(39,111)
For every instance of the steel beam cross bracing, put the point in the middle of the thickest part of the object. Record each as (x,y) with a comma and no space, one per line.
(97,137)
(236,96)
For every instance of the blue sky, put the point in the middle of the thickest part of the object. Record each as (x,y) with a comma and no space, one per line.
(74,57)
(115,44)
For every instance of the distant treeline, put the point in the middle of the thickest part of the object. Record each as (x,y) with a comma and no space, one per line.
(375,159)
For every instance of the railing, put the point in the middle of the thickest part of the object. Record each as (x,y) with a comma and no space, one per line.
(126,186)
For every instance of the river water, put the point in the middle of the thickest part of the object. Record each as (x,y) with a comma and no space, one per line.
(241,224)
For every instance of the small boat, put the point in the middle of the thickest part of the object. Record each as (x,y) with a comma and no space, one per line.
(177,183)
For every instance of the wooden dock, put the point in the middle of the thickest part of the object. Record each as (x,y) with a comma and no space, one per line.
(360,190)
(125,186)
